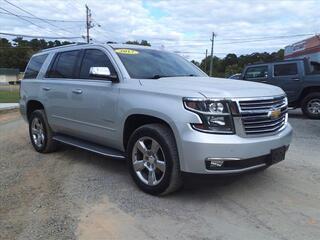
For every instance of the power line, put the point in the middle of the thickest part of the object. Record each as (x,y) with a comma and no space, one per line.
(266,37)
(24,19)
(46,19)
(32,36)
(239,41)
(258,38)
(48,22)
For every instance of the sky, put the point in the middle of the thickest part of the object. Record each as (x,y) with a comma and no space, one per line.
(241,27)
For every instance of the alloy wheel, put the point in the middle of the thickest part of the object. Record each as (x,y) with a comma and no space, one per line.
(149,161)
(37,132)
(314,106)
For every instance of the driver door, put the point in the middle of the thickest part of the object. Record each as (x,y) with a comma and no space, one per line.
(93,99)
(258,73)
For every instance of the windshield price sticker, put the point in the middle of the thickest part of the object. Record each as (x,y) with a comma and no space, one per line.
(126,51)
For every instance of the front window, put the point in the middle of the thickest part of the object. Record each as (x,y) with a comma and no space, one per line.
(154,64)
(256,72)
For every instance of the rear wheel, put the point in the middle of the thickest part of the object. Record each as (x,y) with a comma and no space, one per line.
(311,105)
(41,133)
(153,159)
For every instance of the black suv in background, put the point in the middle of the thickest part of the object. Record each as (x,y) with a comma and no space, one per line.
(295,77)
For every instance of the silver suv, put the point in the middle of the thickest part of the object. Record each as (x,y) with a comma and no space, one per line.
(154,108)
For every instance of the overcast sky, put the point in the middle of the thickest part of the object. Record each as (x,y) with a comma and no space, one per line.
(184,26)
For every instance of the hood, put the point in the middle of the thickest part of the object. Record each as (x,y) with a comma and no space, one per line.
(211,87)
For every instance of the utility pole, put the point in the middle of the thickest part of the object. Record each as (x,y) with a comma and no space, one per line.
(211,62)
(205,62)
(88,22)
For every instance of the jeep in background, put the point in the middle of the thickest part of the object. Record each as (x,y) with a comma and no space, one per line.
(153,108)
(301,85)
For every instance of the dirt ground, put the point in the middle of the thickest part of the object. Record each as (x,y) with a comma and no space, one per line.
(74,194)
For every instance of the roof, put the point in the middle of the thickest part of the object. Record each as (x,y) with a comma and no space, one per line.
(79,45)
(279,61)
(9,71)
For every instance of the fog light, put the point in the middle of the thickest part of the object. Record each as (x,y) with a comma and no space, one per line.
(214,163)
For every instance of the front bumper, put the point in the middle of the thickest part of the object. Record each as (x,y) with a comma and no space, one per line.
(252,153)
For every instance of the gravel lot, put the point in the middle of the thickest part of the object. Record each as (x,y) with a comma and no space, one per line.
(74,194)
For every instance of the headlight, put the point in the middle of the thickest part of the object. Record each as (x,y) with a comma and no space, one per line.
(215,115)
(285,101)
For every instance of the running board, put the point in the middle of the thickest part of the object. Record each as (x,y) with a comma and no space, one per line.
(92,147)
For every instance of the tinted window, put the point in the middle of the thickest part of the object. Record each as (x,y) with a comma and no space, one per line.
(64,65)
(94,58)
(150,63)
(34,66)
(285,69)
(256,72)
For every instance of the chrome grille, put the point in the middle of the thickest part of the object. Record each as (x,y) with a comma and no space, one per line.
(264,116)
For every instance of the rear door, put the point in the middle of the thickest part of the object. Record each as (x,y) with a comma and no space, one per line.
(259,73)
(57,91)
(288,77)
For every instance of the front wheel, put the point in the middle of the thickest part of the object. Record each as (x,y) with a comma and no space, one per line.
(311,105)
(153,159)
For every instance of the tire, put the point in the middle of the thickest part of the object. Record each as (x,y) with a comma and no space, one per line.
(164,162)
(44,142)
(312,100)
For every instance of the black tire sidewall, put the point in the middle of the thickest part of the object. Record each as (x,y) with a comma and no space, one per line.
(39,114)
(305,102)
(147,131)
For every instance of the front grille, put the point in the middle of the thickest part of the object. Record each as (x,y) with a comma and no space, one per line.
(263,116)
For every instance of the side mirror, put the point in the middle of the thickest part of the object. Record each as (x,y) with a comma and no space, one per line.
(102,72)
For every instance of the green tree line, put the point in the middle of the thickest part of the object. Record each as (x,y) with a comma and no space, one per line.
(16,54)
(232,64)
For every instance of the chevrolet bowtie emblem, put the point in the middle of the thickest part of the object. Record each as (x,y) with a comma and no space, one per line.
(274,113)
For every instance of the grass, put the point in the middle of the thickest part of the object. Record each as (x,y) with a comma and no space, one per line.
(9,96)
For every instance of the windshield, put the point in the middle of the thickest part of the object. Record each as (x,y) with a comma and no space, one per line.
(154,64)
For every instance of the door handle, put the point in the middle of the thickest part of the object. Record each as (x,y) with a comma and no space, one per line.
(295,79)
(46,88)
(77,91)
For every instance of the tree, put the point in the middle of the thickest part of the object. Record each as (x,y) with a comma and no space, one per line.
(143,43)
(232,64)
(17,53)
(195,63)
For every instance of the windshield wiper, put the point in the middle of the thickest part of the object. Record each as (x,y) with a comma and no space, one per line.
(188,75)
(157,76)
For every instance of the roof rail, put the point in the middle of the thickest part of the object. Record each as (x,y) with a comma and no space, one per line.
(62,46)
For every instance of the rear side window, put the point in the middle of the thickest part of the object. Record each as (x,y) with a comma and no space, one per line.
(285,69)
(256,72)
(34,66)
(95,58)
(63,66)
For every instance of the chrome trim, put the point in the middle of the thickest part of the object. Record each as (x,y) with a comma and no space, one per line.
(257,98)
(273,126)
(237,170)
(84,123)
(222,159)
(211,131)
